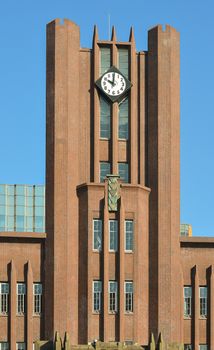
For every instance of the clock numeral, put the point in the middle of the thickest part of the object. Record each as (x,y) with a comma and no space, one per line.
(123,84)
(104,83)
(121,79)
(121,89)
(108,90)
(105,87)
(118,91)
(113,92)
(105,79)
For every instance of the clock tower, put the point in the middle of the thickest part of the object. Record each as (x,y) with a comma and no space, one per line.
(112,270)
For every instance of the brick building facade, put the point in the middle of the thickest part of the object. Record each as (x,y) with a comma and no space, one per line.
(111,264)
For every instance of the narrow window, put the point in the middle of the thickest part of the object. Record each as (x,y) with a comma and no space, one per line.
(105,59)
(105,169)
(123,169)
(123,61)
(4,345)
(20,346)
(187,301)
(4,296)
(113,234)
(203,301)
(129,296)
(129,235)
(97,234)
(37,294)
(187,347)
(97,294)
(123,122)
(21,292)
(112,291)
(105,118)
(203,347)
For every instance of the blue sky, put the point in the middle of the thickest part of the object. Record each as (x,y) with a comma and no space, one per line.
(22,88)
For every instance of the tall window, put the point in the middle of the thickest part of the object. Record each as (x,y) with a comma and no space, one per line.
(4,345)
(128,296)
(97,234)
(129,235)
(123,169)
(113,234)
(123,61)
(123,122)
(187,347)
(21,292)
(203,301)
(4,295)
(37,294)
(97,294)
(112,291)
(105,118)
(105,169)
(105,59)
(187,301)
(20,346)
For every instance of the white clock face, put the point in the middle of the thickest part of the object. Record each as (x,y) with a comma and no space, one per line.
(113,83)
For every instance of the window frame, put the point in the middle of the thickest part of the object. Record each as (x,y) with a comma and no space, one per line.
(124,139)
(203,307)
(93,236)
(102,162)
(99,294)
(109,117)
(125,243)
(4,300)
(128,174)
(130,295)
(185,301)
(20,300)
(115,249)
(4,343)
(22,347)
(37,299)
(112,298)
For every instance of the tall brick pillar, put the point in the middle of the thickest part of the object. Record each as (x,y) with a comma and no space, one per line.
(61,255)
(163,179)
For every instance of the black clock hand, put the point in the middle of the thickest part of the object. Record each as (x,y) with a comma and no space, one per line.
(113,78)
(111,82)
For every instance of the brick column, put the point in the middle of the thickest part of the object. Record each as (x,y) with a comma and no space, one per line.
(142,108)
(121,271)
(105,265)
(195,284)
(96,104)
(13,304)
(114,112)
(211,296)
(29,307)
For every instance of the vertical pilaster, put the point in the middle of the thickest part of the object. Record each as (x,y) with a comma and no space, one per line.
(29,306)
(114,112)
(121,271)
(62,173)
(195,280)
(105,266)
(13,304)
(133,166)
(211,297)
(142,108)
(164,180)
(96,55)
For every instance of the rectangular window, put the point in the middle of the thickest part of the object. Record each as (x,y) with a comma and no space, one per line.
(123,169)
(187,347)
(203,301)
(105,59)
(20,346)
(113,234)
(187,301)
(97,295)
(203,347)
(123,61)
(97,234)
(112,292)
(128,296)
(21,292)
(105,169)
(4,298)
(129,235)
(4,345)
(105,119)
(123,122)
(37,295)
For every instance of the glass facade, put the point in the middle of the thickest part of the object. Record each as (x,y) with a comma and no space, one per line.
(123,122)
(22,208)
(123,61)
(105,119)
(105,59)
